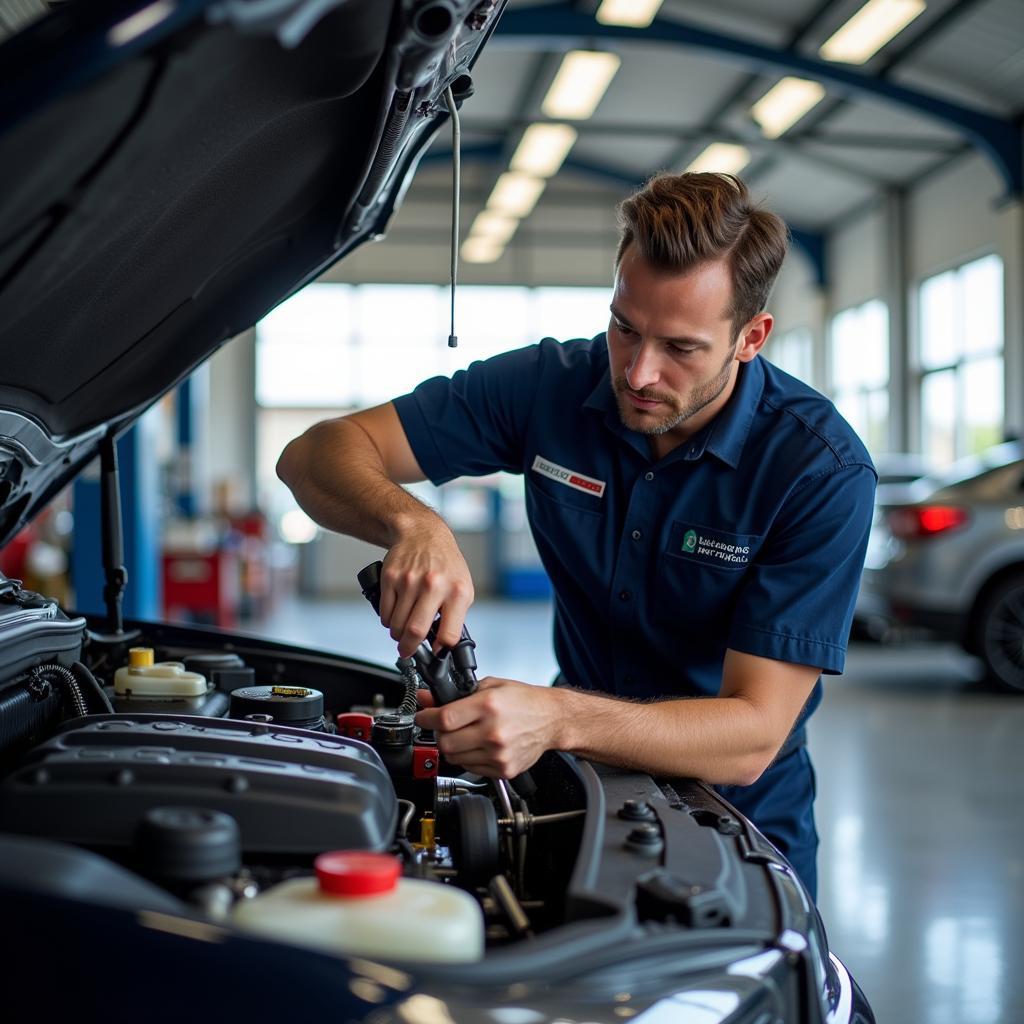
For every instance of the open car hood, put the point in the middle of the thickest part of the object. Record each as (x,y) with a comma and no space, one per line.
(170,170)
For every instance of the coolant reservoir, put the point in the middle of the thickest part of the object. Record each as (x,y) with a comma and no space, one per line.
(142,678)
(360,905)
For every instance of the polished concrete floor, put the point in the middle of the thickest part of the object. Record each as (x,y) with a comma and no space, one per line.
(920,808)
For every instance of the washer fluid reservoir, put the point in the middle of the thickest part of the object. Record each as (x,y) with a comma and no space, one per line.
(142,678)
(359,905)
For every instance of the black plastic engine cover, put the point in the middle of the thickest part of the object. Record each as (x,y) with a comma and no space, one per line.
(292,792)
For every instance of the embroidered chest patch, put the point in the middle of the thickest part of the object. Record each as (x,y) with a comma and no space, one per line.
(569,477)
(713,547)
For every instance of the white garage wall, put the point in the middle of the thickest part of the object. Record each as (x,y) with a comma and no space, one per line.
(856,261)
(952,217)
(797,301)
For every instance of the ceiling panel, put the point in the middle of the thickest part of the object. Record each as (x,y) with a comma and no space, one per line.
(498,79)
(983,50)
(807,197)
(940,82)
(878,117)
(637,157)
(763,23)
(662,85)
(873,166)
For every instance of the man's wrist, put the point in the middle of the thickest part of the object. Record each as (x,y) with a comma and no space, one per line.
(562,718)
(414,522)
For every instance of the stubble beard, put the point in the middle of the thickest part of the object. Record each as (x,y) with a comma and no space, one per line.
(680,410)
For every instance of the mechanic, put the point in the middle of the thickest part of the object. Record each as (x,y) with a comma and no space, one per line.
(703,518)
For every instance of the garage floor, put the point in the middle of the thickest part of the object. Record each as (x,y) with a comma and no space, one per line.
(920,811)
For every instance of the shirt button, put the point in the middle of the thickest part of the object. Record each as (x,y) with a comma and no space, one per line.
(625,595)
(648,475)
(627,679)
(636,535)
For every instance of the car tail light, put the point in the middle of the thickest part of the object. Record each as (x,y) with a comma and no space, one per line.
(920,521)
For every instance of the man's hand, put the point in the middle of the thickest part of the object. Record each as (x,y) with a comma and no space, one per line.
(424,573)
(500,731)
(345,474)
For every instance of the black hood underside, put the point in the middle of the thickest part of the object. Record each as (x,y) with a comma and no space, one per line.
(158,197)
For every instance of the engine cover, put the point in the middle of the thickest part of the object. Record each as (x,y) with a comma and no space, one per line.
(291,791)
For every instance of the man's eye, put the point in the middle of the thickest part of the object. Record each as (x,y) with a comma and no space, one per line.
(622,328)
(682,351)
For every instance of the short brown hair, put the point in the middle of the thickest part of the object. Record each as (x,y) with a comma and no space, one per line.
(680,221)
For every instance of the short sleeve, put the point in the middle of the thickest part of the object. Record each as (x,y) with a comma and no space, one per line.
(796,603)
(475,422)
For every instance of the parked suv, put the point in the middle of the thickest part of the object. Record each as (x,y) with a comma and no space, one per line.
(949,556)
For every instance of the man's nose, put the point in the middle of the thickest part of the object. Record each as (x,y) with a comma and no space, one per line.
(643,371)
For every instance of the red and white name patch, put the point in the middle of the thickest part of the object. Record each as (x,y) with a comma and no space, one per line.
(569,477)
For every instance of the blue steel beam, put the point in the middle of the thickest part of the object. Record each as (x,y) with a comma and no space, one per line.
(559,26)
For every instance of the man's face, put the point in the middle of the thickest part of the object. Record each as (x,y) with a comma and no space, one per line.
(671,345)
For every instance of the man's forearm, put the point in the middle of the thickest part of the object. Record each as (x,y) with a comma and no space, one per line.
(339,480)
(723,740)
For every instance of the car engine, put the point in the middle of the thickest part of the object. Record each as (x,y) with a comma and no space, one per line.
(214,771)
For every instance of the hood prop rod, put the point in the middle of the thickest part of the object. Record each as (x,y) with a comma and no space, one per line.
(453,110)
(113,538)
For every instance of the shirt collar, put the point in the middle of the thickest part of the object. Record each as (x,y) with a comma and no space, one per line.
(723,437)
(731,427)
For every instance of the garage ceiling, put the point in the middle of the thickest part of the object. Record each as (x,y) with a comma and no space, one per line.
(668,101)
(672,98)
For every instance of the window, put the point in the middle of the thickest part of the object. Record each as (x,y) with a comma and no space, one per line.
(793,351)
(343,346)
(859,356)
(332,348)
(960,360)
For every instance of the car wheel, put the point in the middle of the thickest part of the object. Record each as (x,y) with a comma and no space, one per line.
(1001,633)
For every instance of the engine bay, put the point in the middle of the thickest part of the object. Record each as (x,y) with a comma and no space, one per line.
(219,777)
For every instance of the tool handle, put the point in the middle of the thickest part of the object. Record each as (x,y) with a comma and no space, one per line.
(451,673)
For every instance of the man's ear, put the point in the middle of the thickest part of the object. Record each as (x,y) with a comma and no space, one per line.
(753,336)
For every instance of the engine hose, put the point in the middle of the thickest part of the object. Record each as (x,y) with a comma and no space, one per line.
(65,680)
(410,705)
(407,815)
(91,683)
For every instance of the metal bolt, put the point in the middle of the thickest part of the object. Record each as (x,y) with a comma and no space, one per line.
(645,835)
(636,810)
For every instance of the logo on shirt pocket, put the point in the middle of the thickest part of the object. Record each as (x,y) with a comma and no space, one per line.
(712,547)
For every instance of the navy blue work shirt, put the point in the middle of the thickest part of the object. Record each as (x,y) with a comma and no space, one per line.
(749,536)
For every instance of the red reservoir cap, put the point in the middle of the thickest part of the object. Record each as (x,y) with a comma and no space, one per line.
(356,873)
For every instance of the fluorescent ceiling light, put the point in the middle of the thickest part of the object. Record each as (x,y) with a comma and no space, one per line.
(784,104)
(495,227)
(580,83)
(516,194)
(632,13)
(481,250)
(870,29)
(543,149)
(723,157)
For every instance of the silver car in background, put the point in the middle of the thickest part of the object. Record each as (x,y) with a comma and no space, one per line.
(948,555)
